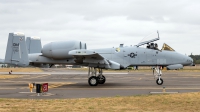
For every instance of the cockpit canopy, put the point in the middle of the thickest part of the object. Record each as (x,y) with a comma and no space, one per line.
(167,47)
(148,40)
(155,47)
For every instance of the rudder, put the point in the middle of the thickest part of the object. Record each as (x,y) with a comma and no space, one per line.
(16,52)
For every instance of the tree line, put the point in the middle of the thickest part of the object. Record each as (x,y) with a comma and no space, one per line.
(196,58)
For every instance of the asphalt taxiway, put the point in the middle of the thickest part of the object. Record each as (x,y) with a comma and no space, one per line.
(65,83)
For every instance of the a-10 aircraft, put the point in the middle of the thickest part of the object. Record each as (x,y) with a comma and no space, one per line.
(21,52)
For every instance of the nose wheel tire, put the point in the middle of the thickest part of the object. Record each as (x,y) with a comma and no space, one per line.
(93,81)
(101,79)
(159,82)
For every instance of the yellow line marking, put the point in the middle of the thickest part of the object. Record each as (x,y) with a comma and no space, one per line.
(38,76)
(59,85)
(22,82)
(59,78)
(25,88)
(163,92)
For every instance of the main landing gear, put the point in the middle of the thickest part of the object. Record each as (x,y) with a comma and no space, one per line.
(158,74)
(95,79)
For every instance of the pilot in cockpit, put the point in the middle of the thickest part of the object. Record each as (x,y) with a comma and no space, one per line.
(156,46)
(152,46)
(148,46)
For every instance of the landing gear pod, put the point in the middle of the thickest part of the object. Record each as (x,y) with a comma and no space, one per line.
(175,67)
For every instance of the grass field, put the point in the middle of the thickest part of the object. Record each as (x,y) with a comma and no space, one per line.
(21,69)
(10,76)
(187,102)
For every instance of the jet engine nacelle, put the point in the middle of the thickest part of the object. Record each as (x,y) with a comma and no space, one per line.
(60,50)
(174,67)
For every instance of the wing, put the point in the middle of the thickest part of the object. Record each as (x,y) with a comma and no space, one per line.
(91,58)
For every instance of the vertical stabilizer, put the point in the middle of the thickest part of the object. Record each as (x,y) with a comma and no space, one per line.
(33,45)
(16,52)
(83,45)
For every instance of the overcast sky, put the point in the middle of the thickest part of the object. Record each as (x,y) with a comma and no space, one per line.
(104,23)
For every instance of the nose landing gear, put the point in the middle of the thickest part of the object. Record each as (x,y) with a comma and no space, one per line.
(158,74)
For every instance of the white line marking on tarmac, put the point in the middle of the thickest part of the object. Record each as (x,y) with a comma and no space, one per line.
(43,94)
(116,73)
(43,73)
(27,92)
(135,88)
(163,92)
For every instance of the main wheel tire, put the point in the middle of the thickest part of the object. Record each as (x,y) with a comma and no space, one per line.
(93,81)
(159,82)
(102,79)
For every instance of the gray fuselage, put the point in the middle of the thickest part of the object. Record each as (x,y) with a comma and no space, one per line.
(144,57)
(125,56)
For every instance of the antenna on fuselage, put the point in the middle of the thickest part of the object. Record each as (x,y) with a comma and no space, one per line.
(121,45)
(158,35)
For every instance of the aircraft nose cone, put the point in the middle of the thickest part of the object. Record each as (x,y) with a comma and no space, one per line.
(191,61)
